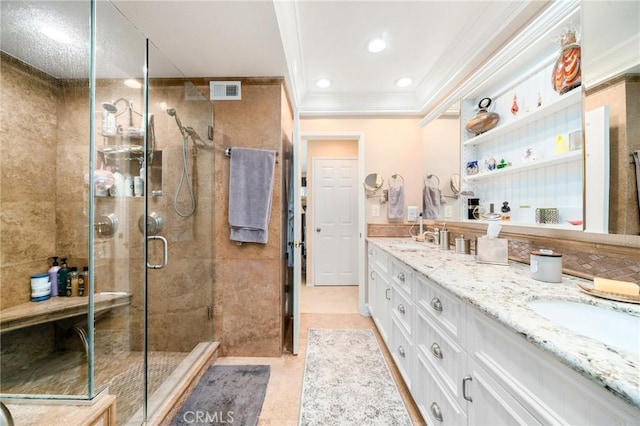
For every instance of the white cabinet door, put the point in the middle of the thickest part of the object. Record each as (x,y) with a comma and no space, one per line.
(379,291)
(489,403)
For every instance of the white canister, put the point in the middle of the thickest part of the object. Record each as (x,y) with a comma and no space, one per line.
(546,265)
(40,287)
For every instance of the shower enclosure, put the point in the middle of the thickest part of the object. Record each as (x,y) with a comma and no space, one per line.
(91,166)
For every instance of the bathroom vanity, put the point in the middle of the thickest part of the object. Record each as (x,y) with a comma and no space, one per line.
(472,349)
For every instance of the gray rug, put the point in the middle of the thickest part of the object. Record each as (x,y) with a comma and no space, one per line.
(226,394)
(347,382)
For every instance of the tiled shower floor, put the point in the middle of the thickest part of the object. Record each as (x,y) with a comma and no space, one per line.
(65,373)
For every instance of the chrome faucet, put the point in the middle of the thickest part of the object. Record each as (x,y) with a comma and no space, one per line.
(435,235)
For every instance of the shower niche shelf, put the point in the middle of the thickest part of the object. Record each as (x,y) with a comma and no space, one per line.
(129,159)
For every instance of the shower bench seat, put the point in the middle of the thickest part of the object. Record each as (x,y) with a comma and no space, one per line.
(58,308)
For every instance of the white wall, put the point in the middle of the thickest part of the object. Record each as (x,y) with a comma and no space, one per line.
(393,145)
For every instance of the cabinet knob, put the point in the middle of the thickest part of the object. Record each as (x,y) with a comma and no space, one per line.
(401,276)
(436,351)
(401,308)
(401,351)
(435,410)
(436,304)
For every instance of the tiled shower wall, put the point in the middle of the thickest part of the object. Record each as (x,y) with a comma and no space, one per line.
(249,293)
(621,95)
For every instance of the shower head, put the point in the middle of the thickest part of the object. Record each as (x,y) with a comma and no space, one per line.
(172,112)
(110,107)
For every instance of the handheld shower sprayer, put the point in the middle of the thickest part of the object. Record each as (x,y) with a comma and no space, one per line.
(172,112)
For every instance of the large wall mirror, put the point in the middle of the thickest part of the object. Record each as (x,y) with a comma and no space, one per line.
(610,40)
(611,83)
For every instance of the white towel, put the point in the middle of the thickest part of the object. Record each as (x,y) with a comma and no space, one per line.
(251,194)
(395,210)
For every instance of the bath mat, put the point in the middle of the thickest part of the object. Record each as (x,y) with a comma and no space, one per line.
(347,382)
(226,394)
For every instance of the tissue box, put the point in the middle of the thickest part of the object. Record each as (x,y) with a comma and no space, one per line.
(492,250)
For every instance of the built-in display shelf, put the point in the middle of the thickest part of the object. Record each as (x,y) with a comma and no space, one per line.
(529,225)
(569,99)
(531,165)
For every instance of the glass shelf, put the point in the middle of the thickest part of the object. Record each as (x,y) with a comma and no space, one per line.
(559,159)
(574,97)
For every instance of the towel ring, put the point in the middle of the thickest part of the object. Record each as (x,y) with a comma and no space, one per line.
(394,177)
(429,183)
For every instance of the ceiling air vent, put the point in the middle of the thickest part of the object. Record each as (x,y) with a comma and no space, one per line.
(225,90)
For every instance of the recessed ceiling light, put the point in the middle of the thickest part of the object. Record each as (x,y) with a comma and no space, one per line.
(403,82)
(134,84)
(56,34)
(323,83)
(376,45)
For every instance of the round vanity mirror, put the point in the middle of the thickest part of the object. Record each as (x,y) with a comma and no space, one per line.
(373,182)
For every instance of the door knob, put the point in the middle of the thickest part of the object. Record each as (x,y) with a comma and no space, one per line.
(318,229)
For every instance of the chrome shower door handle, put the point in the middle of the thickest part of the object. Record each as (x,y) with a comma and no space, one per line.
(165,257)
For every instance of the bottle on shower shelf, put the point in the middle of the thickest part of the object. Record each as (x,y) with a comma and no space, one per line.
(62,277)
(53,275)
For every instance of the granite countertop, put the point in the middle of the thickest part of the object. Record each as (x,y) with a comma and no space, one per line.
(502,293)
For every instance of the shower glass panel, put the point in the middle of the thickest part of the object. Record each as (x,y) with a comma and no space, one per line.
(97,171)
(44,198)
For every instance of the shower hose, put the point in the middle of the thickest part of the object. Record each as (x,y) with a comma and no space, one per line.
(185,177)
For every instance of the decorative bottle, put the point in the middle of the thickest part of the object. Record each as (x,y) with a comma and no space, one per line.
(506,211)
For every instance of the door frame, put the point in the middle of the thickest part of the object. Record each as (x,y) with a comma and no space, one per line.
(305,137)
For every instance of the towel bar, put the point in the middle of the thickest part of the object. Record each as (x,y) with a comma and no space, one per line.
(227,152)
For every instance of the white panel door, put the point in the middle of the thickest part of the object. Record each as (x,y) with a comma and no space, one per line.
(335,221)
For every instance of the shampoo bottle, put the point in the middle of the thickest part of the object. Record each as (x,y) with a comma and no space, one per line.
(72,282)
(83,282)
(62,278)
(53,275)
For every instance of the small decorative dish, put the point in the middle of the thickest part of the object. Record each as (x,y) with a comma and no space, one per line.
(610,296)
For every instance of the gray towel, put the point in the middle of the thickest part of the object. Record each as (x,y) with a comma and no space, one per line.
(636,156)
(431,202)
(251,194)
(395,210)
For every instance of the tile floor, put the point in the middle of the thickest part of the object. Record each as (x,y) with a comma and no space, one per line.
(321,307)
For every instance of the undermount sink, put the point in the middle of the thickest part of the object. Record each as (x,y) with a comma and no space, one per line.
(617,329)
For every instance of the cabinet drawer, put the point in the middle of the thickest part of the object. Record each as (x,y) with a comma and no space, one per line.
(403,309)
(402,351)
(379,259)
(437,406)
(402,276)
(445,356)
(446,309)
